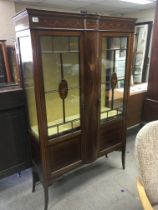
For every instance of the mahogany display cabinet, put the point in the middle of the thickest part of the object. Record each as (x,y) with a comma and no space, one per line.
(76,75)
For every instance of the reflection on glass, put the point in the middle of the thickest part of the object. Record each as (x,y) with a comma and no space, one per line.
(115,43)
(9,72)
(29,81)
(114,53)
(72,105)
(46,44)
(141,42)
(60,60)
(54,108)
(51,63)
(71,69)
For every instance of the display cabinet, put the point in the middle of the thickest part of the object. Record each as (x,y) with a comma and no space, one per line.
(76,72)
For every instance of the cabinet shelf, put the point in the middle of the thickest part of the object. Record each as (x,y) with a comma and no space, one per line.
(58,126)
(115,49)
(110,113)
(58,52)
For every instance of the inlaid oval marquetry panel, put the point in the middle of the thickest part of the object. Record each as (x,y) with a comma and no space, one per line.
(113,80)
(63,89)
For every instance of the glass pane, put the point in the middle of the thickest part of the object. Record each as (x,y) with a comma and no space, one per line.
(52,130)
(123,42)
(76,123)
(60,60)
(120,65)
(118,99)
(27,68)
(115,43)
(141,41)
(61,43)
(112,76)
(71,69)
(52,71)
(54,108)
(74,44)
(65,127)
(72,105)
(46,44)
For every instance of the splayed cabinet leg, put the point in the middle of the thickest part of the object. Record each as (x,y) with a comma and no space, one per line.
(123,158)
(35,179)
(46,197)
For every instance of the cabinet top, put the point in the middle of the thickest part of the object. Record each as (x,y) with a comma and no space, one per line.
(43,19)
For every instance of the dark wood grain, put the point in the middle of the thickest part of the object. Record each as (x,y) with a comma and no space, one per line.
(15,147)
(65,153)
(107,134)
(151,105)
(91,93)
(116,25)
(59,154)
(150,110)
(135,108)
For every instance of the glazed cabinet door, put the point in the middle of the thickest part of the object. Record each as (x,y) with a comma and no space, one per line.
(62,76)
(113,85)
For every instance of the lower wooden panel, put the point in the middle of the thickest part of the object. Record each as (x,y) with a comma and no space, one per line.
(14,148)
(150,111)
(64,153)
(110,134)
(135,108)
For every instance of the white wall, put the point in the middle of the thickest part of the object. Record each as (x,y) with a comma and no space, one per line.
(8,10)
(19,7)
(7,31)
(142,15)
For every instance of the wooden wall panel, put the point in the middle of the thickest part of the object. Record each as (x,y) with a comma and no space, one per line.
(151,104)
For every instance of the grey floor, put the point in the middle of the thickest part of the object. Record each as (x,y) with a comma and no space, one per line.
(102,185)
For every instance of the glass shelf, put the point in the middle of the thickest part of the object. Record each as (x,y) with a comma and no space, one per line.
(58,126)
(57,52)
(115,49)
(108,113)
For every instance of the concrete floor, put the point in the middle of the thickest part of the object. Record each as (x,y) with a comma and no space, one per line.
(102,185)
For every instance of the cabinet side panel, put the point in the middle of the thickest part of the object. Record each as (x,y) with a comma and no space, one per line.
(28,81)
